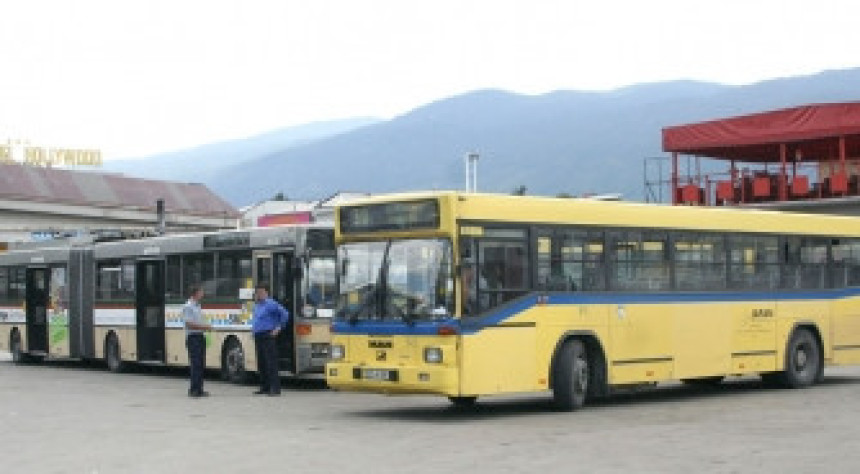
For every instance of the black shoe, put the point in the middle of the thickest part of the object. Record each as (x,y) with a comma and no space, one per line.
(198,394)
(274,394)
(261,392)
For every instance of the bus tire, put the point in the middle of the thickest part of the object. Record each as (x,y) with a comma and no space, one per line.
(803,361)
(113,354)
(15,347)
(233,362)
(570,376)
(463,402)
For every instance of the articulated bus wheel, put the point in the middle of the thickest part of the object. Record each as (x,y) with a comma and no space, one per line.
(233,362)
(113,356)
(15,348)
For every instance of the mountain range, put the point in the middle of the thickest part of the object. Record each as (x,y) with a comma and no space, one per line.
(203,163)
(571,142)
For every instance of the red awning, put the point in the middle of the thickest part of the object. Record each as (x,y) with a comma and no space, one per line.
(814,130)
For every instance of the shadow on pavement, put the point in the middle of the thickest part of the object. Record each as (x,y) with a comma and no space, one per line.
(315,382)
(491,408)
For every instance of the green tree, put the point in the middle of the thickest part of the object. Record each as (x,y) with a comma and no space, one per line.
(519,190)
(280,197)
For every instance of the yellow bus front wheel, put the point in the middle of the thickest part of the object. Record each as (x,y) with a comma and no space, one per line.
(571,376)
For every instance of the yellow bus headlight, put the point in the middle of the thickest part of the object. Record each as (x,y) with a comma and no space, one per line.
(337,352)
(433,355)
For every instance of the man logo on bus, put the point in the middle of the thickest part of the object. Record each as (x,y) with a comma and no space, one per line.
(380,356)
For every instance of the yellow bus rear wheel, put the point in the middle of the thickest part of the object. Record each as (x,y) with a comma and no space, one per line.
(803,361)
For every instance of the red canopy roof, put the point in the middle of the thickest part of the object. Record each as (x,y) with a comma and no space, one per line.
(812,129)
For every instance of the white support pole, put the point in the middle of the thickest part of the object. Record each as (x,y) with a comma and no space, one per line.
(468,163)
(472,172)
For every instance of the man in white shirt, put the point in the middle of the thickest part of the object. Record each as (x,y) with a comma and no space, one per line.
(195,326)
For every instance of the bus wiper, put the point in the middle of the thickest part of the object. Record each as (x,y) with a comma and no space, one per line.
(410,312)
(382,278)
(409,318)
(369,300)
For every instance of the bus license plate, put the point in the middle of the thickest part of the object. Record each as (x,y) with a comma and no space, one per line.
(380,374)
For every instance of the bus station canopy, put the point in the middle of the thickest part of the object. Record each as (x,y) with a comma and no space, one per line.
(809,133)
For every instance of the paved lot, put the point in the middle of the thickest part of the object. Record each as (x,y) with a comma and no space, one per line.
(80,419)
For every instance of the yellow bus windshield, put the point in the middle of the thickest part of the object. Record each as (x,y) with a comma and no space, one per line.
(400,280)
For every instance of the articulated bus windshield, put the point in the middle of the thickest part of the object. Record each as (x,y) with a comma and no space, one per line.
(320,284)
(404,280)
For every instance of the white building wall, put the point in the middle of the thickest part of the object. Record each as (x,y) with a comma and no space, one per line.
(20,219)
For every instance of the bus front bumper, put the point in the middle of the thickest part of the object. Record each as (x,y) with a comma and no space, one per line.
(424,379)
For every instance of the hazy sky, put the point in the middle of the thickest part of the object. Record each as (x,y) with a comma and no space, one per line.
(136,77)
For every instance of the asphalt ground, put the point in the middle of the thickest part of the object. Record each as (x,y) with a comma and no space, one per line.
(67,417)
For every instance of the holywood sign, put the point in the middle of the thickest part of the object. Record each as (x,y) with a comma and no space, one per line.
(22,153)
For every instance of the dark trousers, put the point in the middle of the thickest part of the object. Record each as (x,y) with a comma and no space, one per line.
(267,362)
(196,345)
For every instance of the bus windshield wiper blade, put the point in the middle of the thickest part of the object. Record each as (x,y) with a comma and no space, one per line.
(409,318)
(367,302)
(382,278)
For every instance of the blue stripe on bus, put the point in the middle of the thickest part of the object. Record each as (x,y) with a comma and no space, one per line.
(700,297)
(471,326)
(392,328)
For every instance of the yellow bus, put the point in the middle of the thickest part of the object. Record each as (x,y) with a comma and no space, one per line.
(469,295)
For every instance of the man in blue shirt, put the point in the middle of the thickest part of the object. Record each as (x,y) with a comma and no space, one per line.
(269,319)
